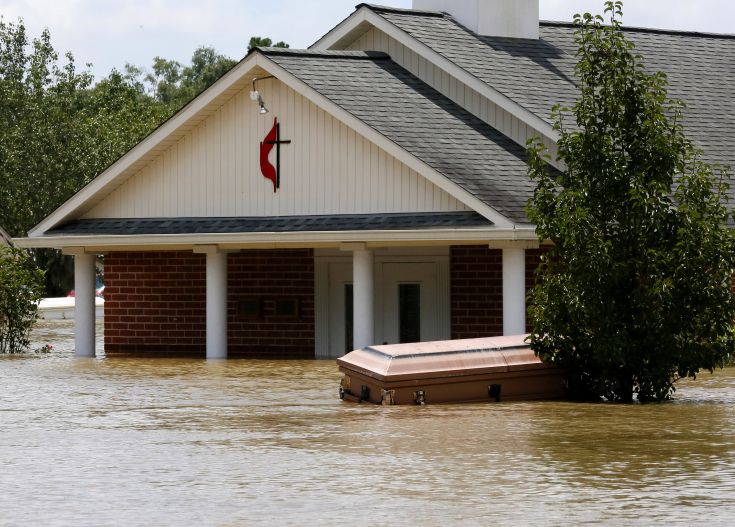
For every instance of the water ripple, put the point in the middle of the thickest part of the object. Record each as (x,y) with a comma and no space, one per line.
(184,442)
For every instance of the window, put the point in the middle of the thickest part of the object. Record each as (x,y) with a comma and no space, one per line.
(409,312)
(286,307)
(250,307)
(349,320)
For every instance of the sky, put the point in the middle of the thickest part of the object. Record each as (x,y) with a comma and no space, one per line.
(110,33)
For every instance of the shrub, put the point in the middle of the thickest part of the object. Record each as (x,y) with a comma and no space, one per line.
(21,288)
(636,290)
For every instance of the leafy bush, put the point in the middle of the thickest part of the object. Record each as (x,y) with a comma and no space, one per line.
(636,291)
(21,288)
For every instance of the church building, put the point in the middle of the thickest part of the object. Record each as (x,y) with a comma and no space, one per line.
(370,189)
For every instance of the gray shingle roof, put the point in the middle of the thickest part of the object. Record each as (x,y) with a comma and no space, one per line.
(538,74)
(700,70)
(422,121)
(343,222)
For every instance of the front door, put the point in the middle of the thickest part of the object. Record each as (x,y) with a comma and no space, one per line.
(409,303)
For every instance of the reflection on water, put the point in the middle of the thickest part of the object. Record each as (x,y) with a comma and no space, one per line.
(186,442)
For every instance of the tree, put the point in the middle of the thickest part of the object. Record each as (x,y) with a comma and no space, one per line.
(37,129)
(58,131)
(114,116)
(21,288)
(175,84)
(265,42)
(635,292)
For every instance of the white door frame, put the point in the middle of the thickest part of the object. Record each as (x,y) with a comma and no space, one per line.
(387,312)
(322,283)
(322,261)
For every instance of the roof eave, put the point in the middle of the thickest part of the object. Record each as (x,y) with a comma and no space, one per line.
(526,235)
(343,29)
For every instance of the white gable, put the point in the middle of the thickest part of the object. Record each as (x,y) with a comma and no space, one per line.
(214,170)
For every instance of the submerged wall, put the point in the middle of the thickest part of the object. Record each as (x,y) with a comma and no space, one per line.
(155,301)
(477,289)
(155,304)
(271,303)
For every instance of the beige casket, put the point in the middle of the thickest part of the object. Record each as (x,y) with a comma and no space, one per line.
(453,371)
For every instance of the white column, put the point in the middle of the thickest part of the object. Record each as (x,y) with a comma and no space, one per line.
(216,305)
(514,291)
(84,292)
(362,297)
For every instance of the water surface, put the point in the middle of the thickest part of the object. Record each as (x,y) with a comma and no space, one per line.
(186,442)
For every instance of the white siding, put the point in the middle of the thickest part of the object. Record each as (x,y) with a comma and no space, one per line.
(475,103)
(328,168)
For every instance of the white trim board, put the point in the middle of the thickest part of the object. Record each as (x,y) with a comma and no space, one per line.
(292,239)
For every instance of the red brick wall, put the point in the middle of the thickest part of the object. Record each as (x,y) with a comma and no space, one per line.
(477,289)
(155,303)
(267,276)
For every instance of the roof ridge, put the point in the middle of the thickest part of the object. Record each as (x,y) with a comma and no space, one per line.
(652,30)
(552,23)
(329,54)
(401,11)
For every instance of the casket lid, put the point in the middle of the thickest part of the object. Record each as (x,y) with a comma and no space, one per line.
(443,358)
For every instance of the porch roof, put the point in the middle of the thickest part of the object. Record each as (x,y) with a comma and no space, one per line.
(332,223)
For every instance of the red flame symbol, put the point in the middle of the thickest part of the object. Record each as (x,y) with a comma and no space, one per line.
(268,170)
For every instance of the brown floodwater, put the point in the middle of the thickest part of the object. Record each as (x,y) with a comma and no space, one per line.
(186,442)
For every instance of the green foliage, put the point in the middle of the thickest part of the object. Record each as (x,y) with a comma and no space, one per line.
(175,85)
(58,131)
(21,288)
(636,290)
(265,42)
(38,136)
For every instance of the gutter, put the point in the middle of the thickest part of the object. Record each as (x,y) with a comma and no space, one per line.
(524,234)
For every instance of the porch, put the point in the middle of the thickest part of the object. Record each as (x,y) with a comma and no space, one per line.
(303,302)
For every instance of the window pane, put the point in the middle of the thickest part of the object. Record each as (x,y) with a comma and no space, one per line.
(409,307)
(348,318)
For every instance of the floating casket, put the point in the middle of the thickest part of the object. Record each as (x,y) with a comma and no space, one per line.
(470,370)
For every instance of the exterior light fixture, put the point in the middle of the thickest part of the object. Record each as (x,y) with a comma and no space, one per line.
(257,97)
